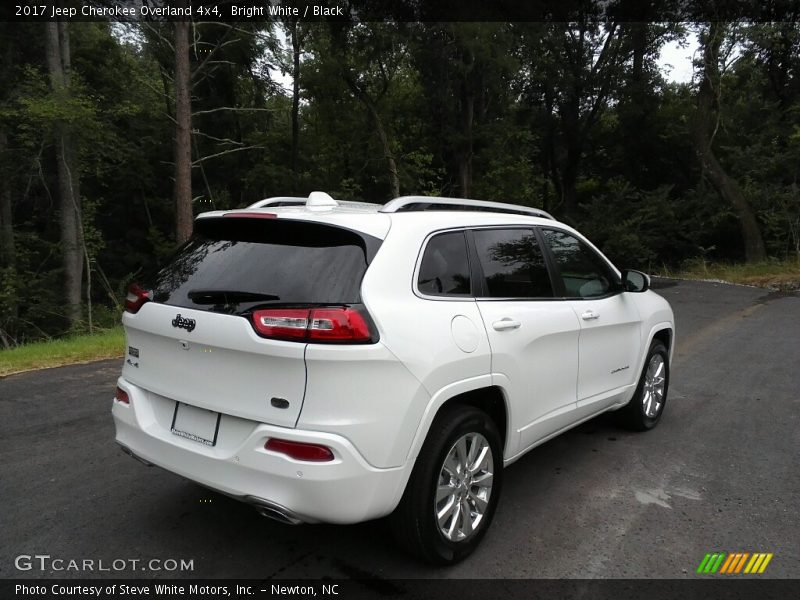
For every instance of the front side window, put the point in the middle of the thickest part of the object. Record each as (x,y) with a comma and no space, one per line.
(445,267)
(513,264)
(584,273)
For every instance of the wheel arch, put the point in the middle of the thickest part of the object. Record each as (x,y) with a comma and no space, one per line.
(478,392)
(665,333)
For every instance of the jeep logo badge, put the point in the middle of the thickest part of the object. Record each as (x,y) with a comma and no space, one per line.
(187,324)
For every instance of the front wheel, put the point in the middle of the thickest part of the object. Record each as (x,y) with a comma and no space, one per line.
(644,410)
(451,496)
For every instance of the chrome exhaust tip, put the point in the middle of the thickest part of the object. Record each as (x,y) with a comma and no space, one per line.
(273,511)
(130,453)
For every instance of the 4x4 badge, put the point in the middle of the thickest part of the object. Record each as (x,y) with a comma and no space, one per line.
(187,324)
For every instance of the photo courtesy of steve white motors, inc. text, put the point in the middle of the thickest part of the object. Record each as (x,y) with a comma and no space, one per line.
(171,589)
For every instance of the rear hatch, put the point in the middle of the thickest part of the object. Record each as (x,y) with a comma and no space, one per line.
(191,333)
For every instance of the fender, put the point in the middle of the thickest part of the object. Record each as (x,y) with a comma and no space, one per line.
(449,392)
(660,326)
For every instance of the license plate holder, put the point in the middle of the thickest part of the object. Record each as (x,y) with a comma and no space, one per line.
(196,424)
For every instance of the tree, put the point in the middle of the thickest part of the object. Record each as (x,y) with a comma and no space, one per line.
(59,65)
(184,217)
(294,29)
(466,71)
(705,122)
(367,59)
(8,254)
(574,69)
(8,251)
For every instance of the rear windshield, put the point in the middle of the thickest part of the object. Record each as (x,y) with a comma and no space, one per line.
(234,265)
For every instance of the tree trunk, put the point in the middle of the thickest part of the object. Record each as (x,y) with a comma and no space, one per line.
(465,152)
(361,95)
(183,133)
(569,155)
(58,63)
(295,102)
(394,180)
(569,182)
(726,186)
(634,106)
(8,254)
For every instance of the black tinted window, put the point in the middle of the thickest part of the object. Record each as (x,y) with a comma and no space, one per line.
(584,273)
(513,264)
(234,264)
(445,268)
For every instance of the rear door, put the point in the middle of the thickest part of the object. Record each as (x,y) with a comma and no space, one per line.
(195,341)
(609,320)
(533,336)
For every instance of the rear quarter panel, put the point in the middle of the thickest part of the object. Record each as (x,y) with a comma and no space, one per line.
(418,333)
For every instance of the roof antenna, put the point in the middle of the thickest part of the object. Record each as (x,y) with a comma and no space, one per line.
(320,199)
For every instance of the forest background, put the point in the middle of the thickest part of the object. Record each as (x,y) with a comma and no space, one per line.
(114,135)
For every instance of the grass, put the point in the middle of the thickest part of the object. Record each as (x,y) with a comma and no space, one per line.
(780,275)
(108,343)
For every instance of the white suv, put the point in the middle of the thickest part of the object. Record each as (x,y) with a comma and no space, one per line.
(337,362)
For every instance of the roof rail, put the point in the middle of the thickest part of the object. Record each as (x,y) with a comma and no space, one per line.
(422,203)
(279,201)
(314,200)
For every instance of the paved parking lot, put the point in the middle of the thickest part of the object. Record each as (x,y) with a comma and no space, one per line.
(720,473)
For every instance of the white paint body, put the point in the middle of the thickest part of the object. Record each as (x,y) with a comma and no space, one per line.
(373,404)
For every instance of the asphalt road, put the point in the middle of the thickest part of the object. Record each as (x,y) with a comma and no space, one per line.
(720,473)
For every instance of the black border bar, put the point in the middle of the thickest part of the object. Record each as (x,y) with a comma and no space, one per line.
(402,10)
(699,587)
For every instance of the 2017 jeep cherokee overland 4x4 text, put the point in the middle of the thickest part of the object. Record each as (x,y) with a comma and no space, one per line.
(337,361)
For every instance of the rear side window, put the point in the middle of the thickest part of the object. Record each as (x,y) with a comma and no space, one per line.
(584,273)
(513,264)
(234,264)
(445,267)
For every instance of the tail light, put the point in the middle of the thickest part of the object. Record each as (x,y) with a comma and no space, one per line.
(136,297)
(300,450)
(122,396)
(334,325)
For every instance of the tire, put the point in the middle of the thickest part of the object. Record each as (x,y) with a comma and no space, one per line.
(415,524)
(644,410)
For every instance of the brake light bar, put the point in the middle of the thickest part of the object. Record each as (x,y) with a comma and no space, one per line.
(136,298)
(341,324)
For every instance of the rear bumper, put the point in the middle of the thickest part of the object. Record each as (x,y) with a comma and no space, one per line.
(344,490)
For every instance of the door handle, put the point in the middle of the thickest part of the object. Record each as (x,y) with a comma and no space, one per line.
(590,315)
(506,324)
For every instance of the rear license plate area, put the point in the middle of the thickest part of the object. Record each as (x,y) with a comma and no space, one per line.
(196,424)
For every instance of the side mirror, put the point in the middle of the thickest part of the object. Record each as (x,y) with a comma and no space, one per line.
(635,281)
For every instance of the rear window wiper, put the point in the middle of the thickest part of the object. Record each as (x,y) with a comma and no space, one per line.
(228,296)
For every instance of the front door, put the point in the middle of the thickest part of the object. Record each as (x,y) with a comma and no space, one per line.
(610,325)
(533,336)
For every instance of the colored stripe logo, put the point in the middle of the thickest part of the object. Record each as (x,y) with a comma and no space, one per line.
(734,563)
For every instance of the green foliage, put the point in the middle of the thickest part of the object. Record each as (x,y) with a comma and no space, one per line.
(108,343)
(773,274)
(520,113)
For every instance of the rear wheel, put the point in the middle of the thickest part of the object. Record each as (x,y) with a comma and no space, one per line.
(644,410)
(451,496)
